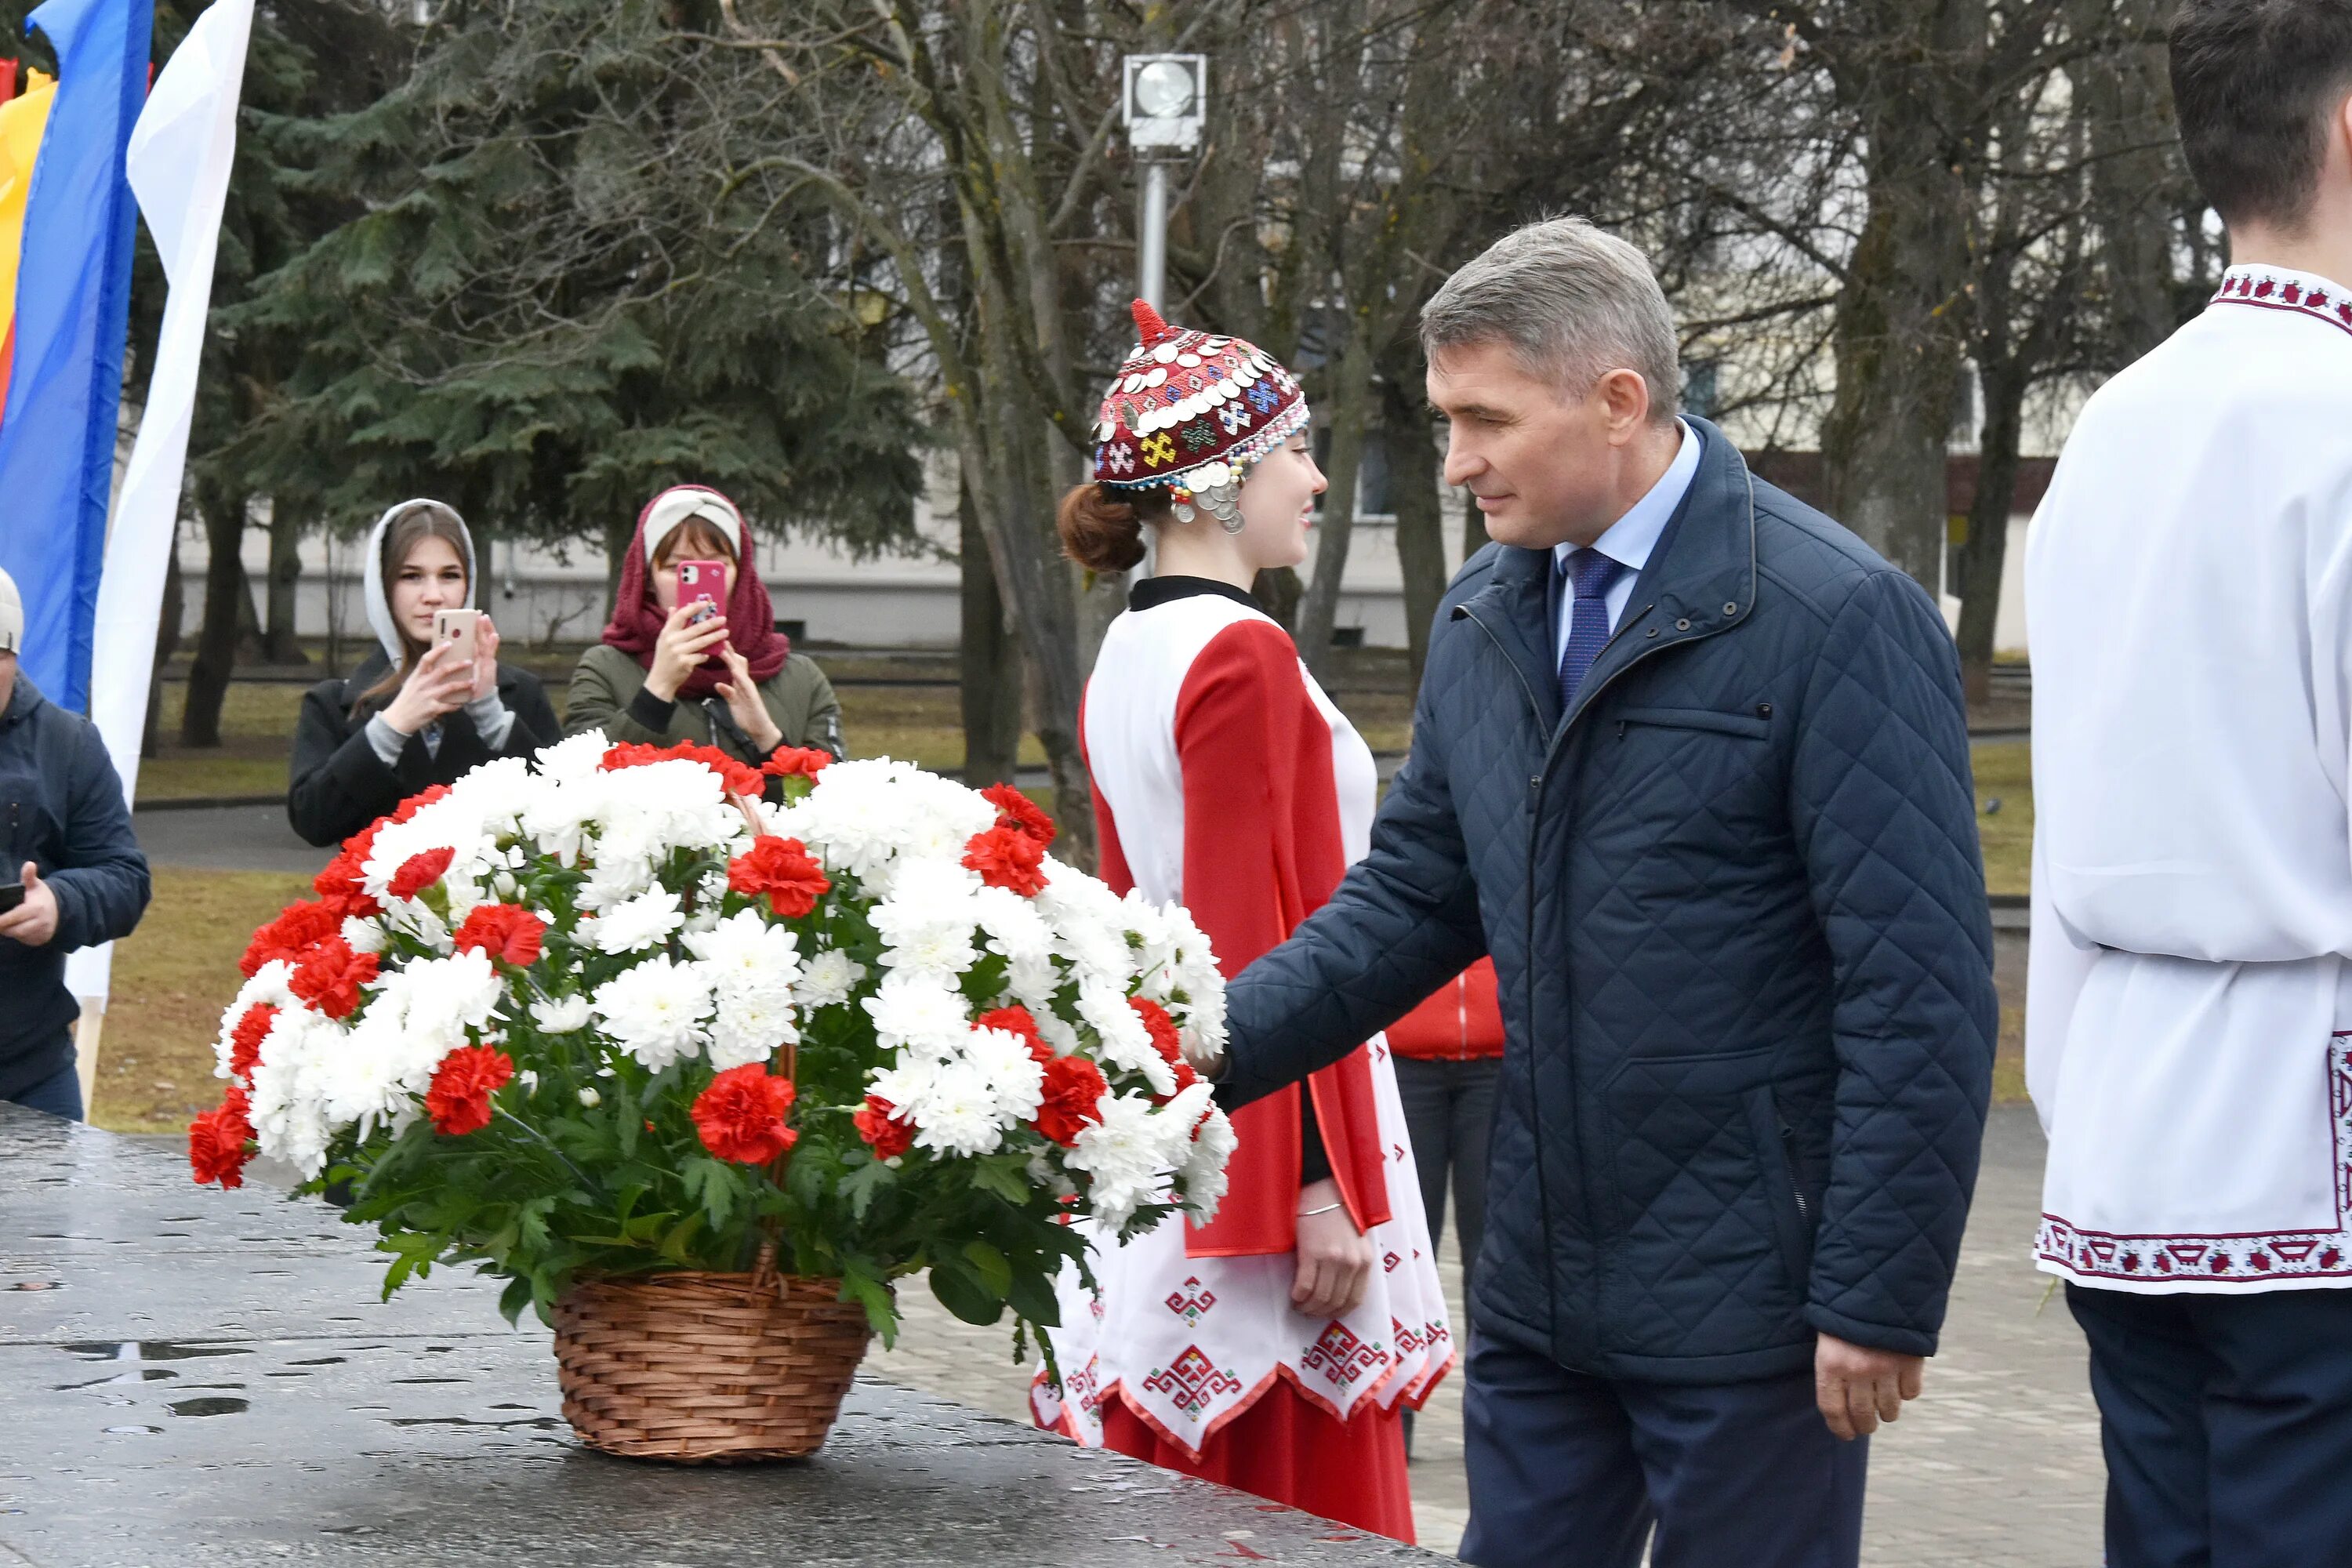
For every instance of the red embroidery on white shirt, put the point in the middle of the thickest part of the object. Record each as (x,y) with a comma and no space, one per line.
(2265,292)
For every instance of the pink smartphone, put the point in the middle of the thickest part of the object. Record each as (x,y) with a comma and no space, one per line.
(458,627)
(704,580)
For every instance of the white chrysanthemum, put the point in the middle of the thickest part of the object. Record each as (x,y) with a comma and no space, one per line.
(1125,1042)
(750,1027)
(958,1114)
(872,817)
(460,991)
(572,760)
(1121,1150)
(1204,1166)
(561,1015)
(614,880)
(1015,929)
(363,935)
(657,1011)
(918,1010)
(744,955)
(1018,1080)
(829,979)
(645,920)
(288,1107)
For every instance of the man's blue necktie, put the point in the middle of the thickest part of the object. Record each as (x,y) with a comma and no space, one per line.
(1590,575)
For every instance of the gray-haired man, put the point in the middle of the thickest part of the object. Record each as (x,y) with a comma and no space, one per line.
(1691,761)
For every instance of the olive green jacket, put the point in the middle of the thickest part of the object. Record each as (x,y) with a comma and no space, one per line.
(608,693)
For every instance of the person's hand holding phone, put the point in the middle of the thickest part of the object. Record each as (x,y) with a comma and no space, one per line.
(743,703)
(486,656)
(34,921)
(682,647)
(440,683)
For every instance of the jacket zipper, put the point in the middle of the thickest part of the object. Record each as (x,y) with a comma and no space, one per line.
(1534,793)
(1789,1162)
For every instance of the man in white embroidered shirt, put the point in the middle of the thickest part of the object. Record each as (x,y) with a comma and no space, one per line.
(2188,1024)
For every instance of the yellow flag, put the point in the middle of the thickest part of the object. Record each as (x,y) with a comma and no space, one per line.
(22,121)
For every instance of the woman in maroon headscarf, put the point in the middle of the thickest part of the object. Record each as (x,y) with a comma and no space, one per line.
(668,671)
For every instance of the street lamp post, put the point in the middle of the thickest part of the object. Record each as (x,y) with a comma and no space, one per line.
(1165,105)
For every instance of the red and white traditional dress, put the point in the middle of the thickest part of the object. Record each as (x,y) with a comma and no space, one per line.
(1226,779)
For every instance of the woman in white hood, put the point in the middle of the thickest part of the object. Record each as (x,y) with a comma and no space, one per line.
(414,714)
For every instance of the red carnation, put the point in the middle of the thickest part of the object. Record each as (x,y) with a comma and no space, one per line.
(806,762)
(245,1040)
(880,1124)
(1017,811)
(509,935)
(1160,1028)
(782,868)
(331,975)
(338,885)
(1074,1087)
(1018,1020)
(419,872)
(298,928)
(1007,857)
(459,1098)
(740,1117)
(739,779)
(218,1141)
(418,801)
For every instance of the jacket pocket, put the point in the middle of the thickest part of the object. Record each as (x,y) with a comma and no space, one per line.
(1792,1216)
(1748,726)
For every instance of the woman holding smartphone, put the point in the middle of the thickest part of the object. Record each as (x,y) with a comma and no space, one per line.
(433,703)
(692,652)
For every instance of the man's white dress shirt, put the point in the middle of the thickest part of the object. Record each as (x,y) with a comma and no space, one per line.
(1630,539)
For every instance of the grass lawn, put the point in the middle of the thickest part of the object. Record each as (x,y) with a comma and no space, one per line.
(172,978)
(256,729)
(2004,771)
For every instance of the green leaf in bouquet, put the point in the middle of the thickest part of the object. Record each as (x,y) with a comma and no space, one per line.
(990,1264)
(1032,1296)
(713,1186)
(881,1308)
(678,1242)
(1006,1175)
(515,1298)
(960,1290)
(862,1185)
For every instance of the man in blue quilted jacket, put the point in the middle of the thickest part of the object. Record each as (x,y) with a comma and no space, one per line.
(1691,761)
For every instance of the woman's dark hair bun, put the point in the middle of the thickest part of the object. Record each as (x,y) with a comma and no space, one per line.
(1102,528)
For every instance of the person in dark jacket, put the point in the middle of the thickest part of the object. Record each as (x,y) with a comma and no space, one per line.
(1691,761)
(65,842)
(413,715)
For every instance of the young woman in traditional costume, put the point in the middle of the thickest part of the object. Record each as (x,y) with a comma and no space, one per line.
(668,671)
(1274,1348)
(419,713)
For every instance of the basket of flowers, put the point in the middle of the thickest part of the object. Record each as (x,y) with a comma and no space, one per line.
(700,1074)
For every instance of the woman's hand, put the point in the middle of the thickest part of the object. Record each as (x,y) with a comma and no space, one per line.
(486,658)
(743,704)
(680,650)
(1335,1260)
(438,683)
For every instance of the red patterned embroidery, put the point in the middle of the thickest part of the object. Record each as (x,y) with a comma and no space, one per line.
(1341,1356)
(2243,286)
(1192,1299)
(1388,1263)
(2251,1255)
(1191,1381)
(1407,1341)
(1085,1388)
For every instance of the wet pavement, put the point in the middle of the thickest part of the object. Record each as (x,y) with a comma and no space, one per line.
(202,1377)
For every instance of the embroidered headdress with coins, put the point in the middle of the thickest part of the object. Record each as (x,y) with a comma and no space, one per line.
(1193,412)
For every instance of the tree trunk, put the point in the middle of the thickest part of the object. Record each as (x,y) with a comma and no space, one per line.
(1420,521)
(2126,98)
(278,644)
(1900,326)
(1278,590)
(167,642)
(1351,413)
(1986,551)
(226,594)
(990,662)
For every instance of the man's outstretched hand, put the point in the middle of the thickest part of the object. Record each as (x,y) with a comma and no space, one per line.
(1857,1387)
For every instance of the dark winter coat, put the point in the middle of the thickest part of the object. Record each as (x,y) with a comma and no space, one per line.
(61,807)
(337,785)
(1736,906)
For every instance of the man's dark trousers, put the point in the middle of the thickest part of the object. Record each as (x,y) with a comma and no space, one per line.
(1571,1471)
(2226,1422)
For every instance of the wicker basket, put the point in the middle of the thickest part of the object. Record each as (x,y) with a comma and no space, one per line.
(706,1369)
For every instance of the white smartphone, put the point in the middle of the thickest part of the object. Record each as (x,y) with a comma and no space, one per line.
(458,627)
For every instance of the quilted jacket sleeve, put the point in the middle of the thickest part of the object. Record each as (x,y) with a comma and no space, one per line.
(1884,812)
(1404,922)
